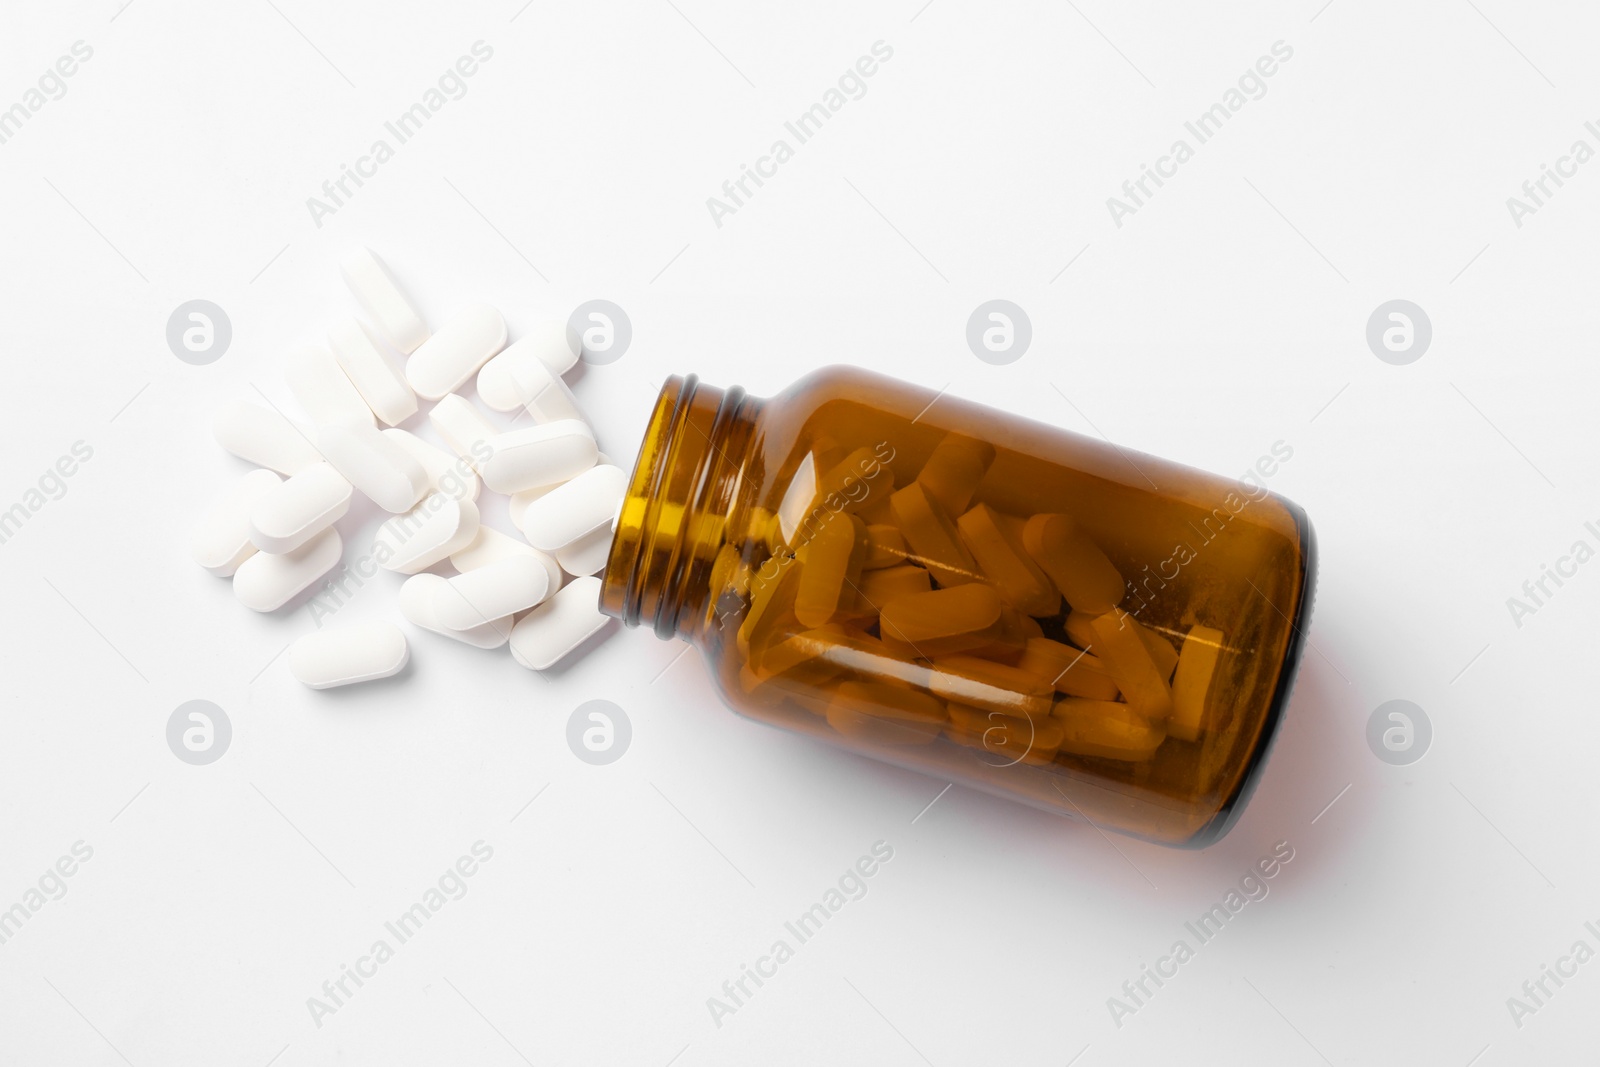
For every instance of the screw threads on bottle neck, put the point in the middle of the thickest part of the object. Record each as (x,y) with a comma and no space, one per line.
(675,516)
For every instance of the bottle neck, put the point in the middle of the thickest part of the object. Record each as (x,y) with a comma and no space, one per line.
(678,509)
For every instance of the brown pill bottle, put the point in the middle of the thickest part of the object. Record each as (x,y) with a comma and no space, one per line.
(986,599)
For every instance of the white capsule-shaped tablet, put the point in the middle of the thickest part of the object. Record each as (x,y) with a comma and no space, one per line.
(568,512)
(501,382)
(370,371)
(517,378)
(419,603)
(433,530)
(538,455)
(447,474)
(267,581)
(293,512)
(504,587)
(375,290)
(322,388)
(222,539)
(491,546)
(264,437)
(377,465)
(463,428)
(558,627)
(588,554)
(544,395)
(449,359)
(345,655)
(518,503)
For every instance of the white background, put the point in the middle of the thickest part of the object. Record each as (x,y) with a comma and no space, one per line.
(1227,314)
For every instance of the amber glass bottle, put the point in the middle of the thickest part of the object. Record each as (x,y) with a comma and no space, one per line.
(963,592)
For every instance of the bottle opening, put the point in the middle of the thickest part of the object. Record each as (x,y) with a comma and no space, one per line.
(678,507)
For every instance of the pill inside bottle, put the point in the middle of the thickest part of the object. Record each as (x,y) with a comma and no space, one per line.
(959,591)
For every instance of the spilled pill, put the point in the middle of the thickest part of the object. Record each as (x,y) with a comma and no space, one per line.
(500,381)
(576,508)
(518,503)
(558,627)
(377,465)
(345,655)
(538,455)
(293,512)
(264,437)
(267,581)
(369,370)
(463,428)
(544,395)
(448,360)
(321,387)
(430,532)
(222,539)
(588,554)
(375,290)
(447,474)
(491,546)
(420,597)
(502,588)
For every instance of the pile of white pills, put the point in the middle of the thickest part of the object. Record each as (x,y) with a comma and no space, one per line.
(273,533)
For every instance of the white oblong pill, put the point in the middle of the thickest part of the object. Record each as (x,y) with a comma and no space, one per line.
(518,503)
(544,395)
(544,346)
(322,388)
(503,588)
(549,340)
(568,512)
(375,290)
(264,437)
(433,530)
(588,554)
(463,428)
(345,655)
(538,455)
(491,546)
(295,511)
(369,370)
(449,359)
(447,474)
(222,539)
(558,627)
(266,581)
(377,465)
(517,378)
(419,600)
